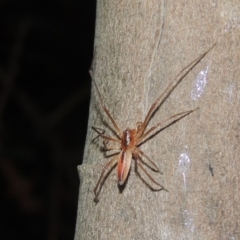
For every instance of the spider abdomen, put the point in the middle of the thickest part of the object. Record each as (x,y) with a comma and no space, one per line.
(124,163)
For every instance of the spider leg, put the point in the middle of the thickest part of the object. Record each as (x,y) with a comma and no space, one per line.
(166,123)
(118,131)
(180,76)
(99,129)
(103,136)
(149,176)
(143,154)
(111,148)
(106,147)
(100,182)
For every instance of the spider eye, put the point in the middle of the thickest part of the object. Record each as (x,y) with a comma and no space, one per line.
(126,131)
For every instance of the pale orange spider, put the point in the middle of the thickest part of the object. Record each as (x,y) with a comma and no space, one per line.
(129,140)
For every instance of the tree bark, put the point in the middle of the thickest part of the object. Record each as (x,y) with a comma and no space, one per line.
(199,155)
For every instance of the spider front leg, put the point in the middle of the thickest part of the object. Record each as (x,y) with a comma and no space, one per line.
(180,76)
(165,123)
(100,182)
(117,129)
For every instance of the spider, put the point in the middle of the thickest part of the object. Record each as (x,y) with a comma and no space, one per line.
(129,140)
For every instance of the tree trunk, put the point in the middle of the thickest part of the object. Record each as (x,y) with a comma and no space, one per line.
(198,155)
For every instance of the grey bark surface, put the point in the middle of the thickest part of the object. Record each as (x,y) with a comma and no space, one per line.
(199,155)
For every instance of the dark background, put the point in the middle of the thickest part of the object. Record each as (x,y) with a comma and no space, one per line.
(46,50)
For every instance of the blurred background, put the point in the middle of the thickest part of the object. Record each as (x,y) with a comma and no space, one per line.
(46,49)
